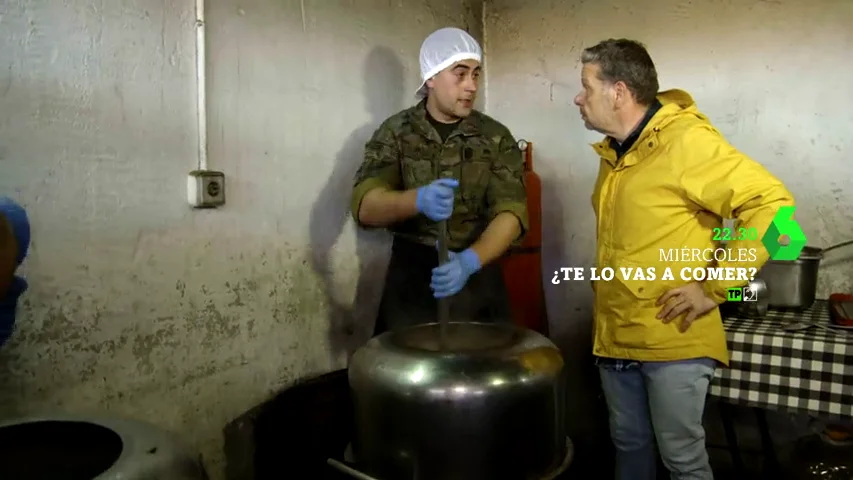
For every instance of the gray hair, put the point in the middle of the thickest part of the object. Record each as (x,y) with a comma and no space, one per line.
(625,61)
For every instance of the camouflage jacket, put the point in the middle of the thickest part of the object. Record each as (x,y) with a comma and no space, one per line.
(406,152)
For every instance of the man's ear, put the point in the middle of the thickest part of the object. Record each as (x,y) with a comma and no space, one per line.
(621,93)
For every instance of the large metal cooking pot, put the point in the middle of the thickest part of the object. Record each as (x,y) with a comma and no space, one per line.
(490,405)
(793,283)
(99,447)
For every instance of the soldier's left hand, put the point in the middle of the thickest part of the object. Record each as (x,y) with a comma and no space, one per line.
(450,278)
(690,299)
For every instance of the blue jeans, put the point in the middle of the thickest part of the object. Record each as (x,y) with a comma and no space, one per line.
(663,403)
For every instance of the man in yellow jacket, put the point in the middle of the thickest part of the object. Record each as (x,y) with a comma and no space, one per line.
(667,178)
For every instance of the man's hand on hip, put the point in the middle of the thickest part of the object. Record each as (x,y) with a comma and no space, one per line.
(689,299)
(436,199)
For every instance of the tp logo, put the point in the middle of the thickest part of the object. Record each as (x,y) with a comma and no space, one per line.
(784,224)
(741,294)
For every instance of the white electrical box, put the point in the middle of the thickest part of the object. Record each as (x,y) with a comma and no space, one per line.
(206,189)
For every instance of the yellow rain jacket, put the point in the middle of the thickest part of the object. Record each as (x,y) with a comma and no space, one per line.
(667,193)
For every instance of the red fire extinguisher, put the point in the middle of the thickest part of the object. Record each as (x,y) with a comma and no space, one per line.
(522,266)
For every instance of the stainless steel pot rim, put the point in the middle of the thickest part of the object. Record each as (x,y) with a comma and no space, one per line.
(808,254)
(564,464)
(811,253)
(815,253)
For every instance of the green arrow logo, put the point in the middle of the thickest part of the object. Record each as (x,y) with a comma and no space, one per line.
(784,224)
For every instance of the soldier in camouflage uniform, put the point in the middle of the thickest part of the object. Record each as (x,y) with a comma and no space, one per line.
(442,160)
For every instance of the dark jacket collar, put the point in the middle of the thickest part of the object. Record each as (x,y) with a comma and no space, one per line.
(469,126)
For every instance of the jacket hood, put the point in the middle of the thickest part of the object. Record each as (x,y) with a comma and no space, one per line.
(677,106)
(678,102)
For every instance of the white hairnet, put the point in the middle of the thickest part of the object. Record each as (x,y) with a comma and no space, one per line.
(441,49)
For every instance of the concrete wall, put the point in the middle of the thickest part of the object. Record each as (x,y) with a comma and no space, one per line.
(774,76)
(139,305)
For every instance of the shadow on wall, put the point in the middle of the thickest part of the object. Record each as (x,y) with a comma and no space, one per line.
(554,251)
(570,326)
(351,325)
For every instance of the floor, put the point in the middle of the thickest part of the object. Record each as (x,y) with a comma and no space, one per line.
(589,466)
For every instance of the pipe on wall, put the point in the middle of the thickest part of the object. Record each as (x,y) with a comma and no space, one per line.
(201,81)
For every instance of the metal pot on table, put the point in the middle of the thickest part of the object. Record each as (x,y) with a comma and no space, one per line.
(793,283)
(487,403)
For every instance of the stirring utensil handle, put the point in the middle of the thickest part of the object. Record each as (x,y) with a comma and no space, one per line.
(443,257)
(837,245)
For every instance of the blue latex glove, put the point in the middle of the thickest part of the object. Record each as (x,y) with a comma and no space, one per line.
(20,222)
(448,279)
(436,199)
(17,218)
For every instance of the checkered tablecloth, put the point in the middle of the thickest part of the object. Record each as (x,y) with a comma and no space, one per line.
(809,371)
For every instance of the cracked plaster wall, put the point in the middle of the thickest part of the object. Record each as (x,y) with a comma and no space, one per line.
(774,76)
(139,305)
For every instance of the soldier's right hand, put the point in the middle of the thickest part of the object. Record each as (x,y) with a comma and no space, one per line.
(436,199)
